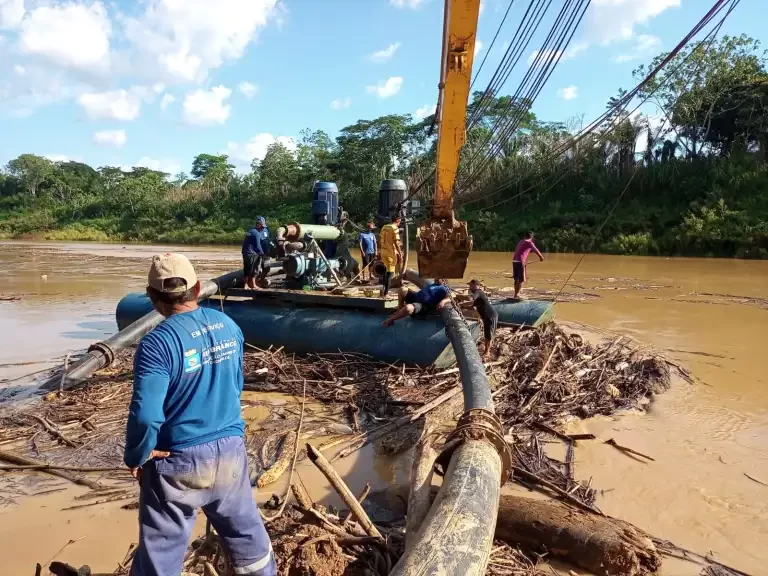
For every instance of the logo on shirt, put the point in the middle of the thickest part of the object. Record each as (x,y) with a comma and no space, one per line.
(192,360)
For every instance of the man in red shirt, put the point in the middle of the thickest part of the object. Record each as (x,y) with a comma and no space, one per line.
(520,258)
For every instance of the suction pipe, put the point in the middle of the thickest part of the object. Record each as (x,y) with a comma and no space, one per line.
(101,354)
(457,534)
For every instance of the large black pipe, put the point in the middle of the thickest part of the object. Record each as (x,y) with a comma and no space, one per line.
(457,534)
(101,354)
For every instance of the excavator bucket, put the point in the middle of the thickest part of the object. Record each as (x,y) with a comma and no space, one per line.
(444,247)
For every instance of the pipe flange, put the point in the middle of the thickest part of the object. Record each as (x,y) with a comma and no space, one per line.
(105,349)
(477,424)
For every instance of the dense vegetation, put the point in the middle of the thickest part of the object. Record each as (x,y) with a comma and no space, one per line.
(698,187)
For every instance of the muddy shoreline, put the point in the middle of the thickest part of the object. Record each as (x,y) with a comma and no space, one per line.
(705,439)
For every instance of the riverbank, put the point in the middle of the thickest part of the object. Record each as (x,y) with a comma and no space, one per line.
(705,438)
(491,232)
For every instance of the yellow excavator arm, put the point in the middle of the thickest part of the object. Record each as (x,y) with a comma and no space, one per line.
(444,242)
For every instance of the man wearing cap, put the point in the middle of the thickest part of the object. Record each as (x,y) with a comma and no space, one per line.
(485,310)
(184,437)
(255,253)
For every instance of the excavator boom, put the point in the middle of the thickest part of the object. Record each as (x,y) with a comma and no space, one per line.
(444,242)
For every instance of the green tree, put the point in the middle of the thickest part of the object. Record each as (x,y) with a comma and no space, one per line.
(203,163)
(277,172)
(693,87)
(30,170)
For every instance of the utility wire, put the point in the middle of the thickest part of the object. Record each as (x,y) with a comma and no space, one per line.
(621,104)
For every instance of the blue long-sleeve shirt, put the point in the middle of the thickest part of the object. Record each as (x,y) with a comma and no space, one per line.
(187,380)
(256,241)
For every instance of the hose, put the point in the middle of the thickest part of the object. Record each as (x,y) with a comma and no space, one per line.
(457,534)
(101,354)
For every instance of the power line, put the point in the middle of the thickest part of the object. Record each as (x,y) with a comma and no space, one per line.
(622,103)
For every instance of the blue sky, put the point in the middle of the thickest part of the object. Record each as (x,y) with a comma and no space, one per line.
(154,82)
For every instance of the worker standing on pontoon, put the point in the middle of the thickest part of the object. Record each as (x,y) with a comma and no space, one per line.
(520,260)
(368,249)
(255,251)
(389,246)
(185,433)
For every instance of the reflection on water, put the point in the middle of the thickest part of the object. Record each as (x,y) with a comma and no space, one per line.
(712,315)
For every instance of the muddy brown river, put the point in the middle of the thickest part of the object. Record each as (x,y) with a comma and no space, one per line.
(707,489)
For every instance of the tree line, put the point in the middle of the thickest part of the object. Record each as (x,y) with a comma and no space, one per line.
(692,180)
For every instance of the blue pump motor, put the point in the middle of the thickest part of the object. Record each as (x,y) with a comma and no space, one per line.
(325,203)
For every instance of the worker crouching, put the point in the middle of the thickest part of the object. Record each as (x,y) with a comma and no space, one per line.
(185,434)
(426,301)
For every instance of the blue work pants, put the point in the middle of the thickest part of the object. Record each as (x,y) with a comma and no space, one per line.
(212,476)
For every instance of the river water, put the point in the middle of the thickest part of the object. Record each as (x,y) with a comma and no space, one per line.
(709,440)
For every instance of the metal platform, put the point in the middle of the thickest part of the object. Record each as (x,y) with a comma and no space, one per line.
(310,299)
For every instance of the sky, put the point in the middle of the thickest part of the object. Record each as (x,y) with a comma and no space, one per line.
(155,82)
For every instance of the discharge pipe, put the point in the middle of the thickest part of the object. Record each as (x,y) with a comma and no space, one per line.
(101,354)
(457,534)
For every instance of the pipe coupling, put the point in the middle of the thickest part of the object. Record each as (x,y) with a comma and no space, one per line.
(106,350)
(477,424)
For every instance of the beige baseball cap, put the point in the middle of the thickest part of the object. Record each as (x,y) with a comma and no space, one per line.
(171,265)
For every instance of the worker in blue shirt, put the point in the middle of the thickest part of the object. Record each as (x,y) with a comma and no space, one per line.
(255,252)
(418,304)
(368,250)
(184,438)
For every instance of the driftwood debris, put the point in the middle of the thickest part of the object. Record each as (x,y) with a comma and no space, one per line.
(43,467)
(341,487)
(419,501)
(605,546)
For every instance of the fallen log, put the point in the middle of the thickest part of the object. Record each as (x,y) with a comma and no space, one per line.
(602,545)
(419,500)
(605,546)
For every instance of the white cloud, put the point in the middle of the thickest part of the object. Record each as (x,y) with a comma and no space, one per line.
(546,56)
(569,93)
(167,100)
(386,89)
(248,89)
(385,54)
(171,167)
(575,50)
(158,88)
(557,56)
(116,138)
(185,40)
(341,103)
(478,47)
(412,4)
(207,107)
(645,44)
(113,105)
(11,13)
(255,148)
(19,69)
(425,111)
(482,7)
(612,20)
(70,35)
(63,158)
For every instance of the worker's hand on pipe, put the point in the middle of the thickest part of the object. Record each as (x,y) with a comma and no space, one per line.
(136,471)
(443,303)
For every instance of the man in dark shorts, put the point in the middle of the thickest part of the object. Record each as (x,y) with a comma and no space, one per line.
(520,259)
(486,311)
(368,249)
(255,253)
(421,303)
